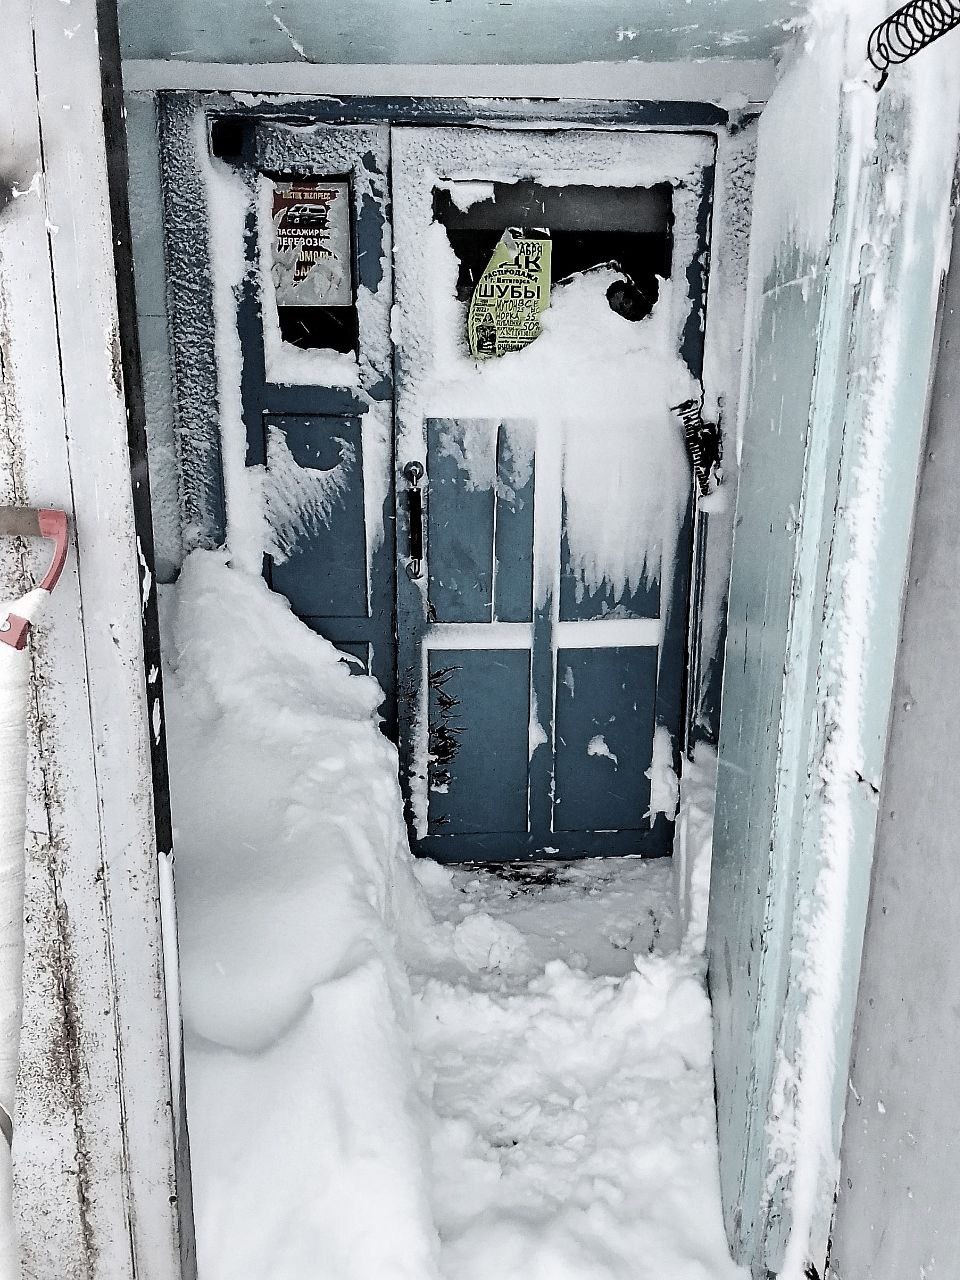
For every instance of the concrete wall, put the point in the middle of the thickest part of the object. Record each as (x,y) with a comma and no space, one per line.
(146,218)
(900,1174)
(845,274)
(452,31)
(95,1153)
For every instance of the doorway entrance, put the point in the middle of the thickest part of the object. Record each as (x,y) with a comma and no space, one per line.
(502,537)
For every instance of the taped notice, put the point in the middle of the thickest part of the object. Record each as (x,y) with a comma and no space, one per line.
(311,244)
(509,297)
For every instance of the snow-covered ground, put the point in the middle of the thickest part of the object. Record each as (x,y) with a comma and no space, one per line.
(401,1072)
(564,1049)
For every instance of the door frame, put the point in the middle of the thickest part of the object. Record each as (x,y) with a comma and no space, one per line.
(184,261)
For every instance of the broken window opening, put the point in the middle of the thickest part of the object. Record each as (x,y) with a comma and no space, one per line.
(627,228)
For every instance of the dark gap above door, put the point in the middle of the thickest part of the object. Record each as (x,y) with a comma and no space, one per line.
(630,228)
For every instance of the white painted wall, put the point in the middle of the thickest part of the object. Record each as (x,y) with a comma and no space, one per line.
(94,1151)
(900,1176)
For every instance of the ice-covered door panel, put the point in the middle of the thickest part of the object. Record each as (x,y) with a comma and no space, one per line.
(549,294)
(279,254)
(314,503)
(316,380)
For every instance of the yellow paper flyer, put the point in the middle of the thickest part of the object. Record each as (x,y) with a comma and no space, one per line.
(509,297)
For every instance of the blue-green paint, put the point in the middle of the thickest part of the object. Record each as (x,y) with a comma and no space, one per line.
(819,348)
(324,575)
(451,31)
(883,327)
(899,1163)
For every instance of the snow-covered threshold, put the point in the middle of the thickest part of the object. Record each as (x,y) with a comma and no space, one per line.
(401,1071)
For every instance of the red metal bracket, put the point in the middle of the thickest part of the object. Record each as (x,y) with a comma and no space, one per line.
(33,522)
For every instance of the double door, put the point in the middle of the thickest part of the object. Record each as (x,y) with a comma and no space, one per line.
(500,532)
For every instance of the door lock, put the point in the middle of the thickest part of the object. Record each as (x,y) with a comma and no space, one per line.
(413,474)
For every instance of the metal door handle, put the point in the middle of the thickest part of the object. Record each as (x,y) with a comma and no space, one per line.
(31,522)
(413,474)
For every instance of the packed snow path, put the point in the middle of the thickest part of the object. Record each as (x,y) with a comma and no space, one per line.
(564,1043)
(397,1071)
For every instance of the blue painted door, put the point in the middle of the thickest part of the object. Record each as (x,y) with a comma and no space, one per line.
(317,383)
(541,631)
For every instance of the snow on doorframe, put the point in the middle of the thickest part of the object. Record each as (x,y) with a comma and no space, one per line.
(94,1147)
(733,82)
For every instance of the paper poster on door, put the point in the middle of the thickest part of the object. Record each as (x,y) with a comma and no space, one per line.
(311,244)
(510,296)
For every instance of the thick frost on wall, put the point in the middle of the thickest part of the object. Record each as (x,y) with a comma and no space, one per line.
(843,306)
(898,229)
(146,214)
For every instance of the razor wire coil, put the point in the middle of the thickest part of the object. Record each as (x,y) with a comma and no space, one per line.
(910,29)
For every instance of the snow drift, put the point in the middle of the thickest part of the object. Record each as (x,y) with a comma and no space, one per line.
(292,879)
(455,1073)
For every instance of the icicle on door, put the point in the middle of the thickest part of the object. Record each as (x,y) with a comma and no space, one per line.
(549,313)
